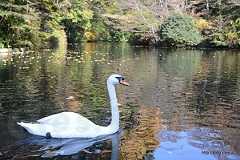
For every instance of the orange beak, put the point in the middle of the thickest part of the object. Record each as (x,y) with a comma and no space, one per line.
(123,82)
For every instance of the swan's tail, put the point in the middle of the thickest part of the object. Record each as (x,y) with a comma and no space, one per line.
(32,128)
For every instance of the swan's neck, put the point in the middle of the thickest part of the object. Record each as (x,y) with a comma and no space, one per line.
(114,125)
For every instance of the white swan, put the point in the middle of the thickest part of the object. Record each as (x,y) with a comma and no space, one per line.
(73,125)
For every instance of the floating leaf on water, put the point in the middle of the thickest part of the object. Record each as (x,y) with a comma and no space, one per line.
(70,97)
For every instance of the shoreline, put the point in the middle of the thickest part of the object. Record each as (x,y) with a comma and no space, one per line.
(7,51)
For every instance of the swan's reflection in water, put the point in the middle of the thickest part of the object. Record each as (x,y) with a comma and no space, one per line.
(66,147)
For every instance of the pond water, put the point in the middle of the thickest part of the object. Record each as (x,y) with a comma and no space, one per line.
(181,104)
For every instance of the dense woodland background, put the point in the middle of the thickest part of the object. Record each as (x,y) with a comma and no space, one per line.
(181,23)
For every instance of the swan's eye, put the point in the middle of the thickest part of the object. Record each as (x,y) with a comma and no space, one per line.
(120,78)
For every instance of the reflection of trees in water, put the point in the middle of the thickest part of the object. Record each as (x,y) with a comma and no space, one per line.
(86,82)
(21,95)
(22,87)
(215,94)
(220,71)
(136,143)
(180,63)
(218,88)
(39,86)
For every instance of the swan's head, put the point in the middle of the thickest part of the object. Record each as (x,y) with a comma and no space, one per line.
(117,79)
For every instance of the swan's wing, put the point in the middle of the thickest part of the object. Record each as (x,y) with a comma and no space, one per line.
(63,131)
(49,118)
(65,118)
(65,125)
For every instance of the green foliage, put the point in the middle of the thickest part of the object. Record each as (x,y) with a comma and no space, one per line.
(180,29)
(101,31)
(119,36)
(229,36)
(84,19)
(23,23)
(30,23)
(1,44)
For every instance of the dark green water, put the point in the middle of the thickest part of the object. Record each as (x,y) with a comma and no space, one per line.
(182,104)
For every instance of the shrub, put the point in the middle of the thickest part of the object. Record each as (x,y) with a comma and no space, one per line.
(232,38)
(229,35)
(180,29)
(202,24)
(119,36)
(90,36)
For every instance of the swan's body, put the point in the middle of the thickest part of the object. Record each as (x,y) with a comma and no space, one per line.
(73,125)
(66,125)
